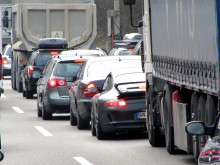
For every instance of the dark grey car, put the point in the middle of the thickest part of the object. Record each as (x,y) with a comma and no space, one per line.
(92,75)
(53,86)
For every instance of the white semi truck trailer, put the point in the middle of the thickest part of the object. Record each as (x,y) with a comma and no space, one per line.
(74,20)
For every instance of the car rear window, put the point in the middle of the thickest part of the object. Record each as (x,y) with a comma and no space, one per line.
(136,77)
(103,68)
(67,69)
(42,59)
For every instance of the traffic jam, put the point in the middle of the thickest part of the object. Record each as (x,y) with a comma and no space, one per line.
(151,97)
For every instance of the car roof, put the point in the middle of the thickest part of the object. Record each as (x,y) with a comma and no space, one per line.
(83,52)
(67,57)
(127,70)
(108,58)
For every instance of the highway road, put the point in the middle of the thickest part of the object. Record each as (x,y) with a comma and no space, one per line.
(28,140)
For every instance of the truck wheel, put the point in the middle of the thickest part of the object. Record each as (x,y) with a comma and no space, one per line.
(46,115)
(19,87)
(73,119)
(210,111)
(154,134)
(167,105)
(194,111)
(201,117)
(81,124)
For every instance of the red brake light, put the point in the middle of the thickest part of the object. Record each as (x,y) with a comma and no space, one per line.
(90,90)
(52,83)
(30,71)
(4,60)
(54,52)
(116,103)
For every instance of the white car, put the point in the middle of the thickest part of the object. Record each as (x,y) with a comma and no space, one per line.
(6,60)
(81,52)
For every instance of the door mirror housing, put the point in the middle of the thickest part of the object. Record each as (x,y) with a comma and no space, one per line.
(195,128)
(129,2)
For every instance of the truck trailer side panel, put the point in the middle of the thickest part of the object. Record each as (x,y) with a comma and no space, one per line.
(185,43)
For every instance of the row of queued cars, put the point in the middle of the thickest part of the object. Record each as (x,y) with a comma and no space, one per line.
(104,93)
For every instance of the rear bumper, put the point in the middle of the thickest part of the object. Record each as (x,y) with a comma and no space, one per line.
(84,109)
(118,121)
(60,105)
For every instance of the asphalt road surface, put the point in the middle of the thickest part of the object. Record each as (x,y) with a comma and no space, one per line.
(28,140)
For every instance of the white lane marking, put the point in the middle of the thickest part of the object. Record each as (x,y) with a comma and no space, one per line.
(3,96)
(18,110)
(43,131)
(82,161)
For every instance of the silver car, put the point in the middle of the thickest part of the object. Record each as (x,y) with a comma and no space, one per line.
(6,60)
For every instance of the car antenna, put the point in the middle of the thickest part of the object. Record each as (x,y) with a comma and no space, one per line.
(119,59)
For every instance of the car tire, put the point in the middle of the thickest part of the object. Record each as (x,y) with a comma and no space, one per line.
(46,115)
(39,111)
(1,155)
(29,94)
(81,124)
(73,119)
(24,93)
(93,130)
(99,133)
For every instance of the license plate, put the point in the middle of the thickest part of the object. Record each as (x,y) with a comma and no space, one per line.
(140,115)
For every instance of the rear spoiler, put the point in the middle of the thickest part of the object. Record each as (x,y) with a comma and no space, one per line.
(128,83)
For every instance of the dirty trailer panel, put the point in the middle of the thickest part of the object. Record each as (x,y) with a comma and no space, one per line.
(184,42)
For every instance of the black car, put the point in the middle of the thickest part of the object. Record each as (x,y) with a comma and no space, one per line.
(121,106)
(36,63)
(92,75)
(210,153)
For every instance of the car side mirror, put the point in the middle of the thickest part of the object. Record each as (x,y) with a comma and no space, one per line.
(195,128)
(70,78)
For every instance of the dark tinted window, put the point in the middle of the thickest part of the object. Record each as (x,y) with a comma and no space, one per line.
(67,69)
(42,59)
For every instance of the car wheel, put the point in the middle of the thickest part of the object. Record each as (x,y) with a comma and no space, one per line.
(24,93)
(73,119)
(29,94)
(1,155)
(99,133)
(39,111)
(46,115)
(93,130)
(81,124)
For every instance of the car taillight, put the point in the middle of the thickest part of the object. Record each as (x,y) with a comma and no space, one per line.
(54,52)
(4,60)
(90,90)
(52,83)
(30,71)
(115,103)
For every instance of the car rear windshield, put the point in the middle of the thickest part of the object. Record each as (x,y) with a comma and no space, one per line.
(64,69)
(136,77)
(42,59)
(103,68)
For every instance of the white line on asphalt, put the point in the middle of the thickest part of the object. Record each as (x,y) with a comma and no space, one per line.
(82,161)
(43,131)
(3,96)
(18,110)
